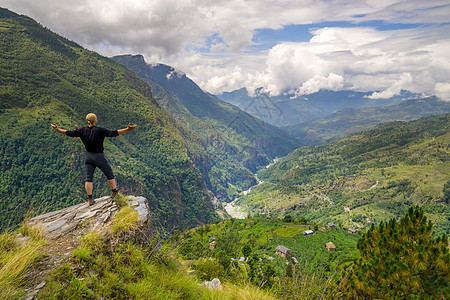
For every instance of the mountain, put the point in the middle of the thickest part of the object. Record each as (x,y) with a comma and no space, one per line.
(285,109)
(45,78)
(366,177)
(352,120)
(237,143)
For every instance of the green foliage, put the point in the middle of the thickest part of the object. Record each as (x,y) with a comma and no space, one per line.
(104,270)
(246,250)
(401,259)
(125,221)
(209,268)
(446,191)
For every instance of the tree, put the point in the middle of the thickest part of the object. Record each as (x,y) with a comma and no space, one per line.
(288,218)
(246,250)
(446,191)
(401,259)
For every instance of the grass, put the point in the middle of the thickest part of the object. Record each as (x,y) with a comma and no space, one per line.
(125,221)
(284,231)
(16,258)
(121,200)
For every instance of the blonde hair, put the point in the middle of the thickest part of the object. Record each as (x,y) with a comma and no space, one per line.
(91,119)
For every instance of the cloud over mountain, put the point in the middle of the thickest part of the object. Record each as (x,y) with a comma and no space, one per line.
(359,45)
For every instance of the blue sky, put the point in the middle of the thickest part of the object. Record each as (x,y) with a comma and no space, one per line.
(284,46)
(268,38)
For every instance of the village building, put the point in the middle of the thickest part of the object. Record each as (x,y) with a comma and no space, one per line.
(308,232)
(330,246)
(323,229)
(351,230)
(282,251)
(331,226)
(212,245)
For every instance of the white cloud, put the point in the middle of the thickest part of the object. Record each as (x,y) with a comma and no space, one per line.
(315,84)
(443,90)
(361,59)
(208,40)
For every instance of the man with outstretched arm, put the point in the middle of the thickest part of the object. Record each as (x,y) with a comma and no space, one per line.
(92,138)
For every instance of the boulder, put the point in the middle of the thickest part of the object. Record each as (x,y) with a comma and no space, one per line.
(213,284)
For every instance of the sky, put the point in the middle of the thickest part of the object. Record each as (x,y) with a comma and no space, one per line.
(284,46)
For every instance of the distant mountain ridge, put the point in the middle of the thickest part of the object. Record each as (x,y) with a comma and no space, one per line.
(286,110)
(352,120)
(237,143)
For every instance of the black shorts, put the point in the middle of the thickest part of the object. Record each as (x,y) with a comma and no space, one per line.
(93,160)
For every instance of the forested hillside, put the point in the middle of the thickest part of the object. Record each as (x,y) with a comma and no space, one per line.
(237,143)
(364,178)
(45,79)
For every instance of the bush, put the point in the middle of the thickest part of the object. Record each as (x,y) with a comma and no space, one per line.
(209,268)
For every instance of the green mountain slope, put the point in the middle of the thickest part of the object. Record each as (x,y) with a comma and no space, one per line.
(45,78)
(369,176)
(352,120)
(237,143)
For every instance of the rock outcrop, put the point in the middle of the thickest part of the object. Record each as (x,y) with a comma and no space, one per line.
(62,230)
(62,222)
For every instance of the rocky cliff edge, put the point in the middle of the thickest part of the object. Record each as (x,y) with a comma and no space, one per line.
(63,230)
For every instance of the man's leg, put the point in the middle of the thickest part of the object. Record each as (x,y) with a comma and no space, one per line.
(88,182)
(89,187)
(112,183)
(104,166)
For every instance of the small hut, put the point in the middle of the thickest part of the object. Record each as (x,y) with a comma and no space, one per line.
(331,225)
(323,229)
(282,251)
(351,230)
(330,246)
(308,232)
(212,245)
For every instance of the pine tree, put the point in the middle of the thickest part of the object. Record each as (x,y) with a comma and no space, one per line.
(401,259)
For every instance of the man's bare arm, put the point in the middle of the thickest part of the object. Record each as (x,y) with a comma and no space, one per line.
(63,131)
(129,127)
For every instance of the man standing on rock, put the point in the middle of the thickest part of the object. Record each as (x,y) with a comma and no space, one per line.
(93,137)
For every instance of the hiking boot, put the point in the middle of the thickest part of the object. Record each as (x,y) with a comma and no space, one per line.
(114,193)
(91,200)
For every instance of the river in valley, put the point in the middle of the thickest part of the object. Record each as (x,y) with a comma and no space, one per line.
(236,211)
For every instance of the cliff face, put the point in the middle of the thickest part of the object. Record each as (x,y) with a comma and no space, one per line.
(64,229)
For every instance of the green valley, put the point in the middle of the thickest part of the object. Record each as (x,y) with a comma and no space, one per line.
(237,144)
(364,178)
